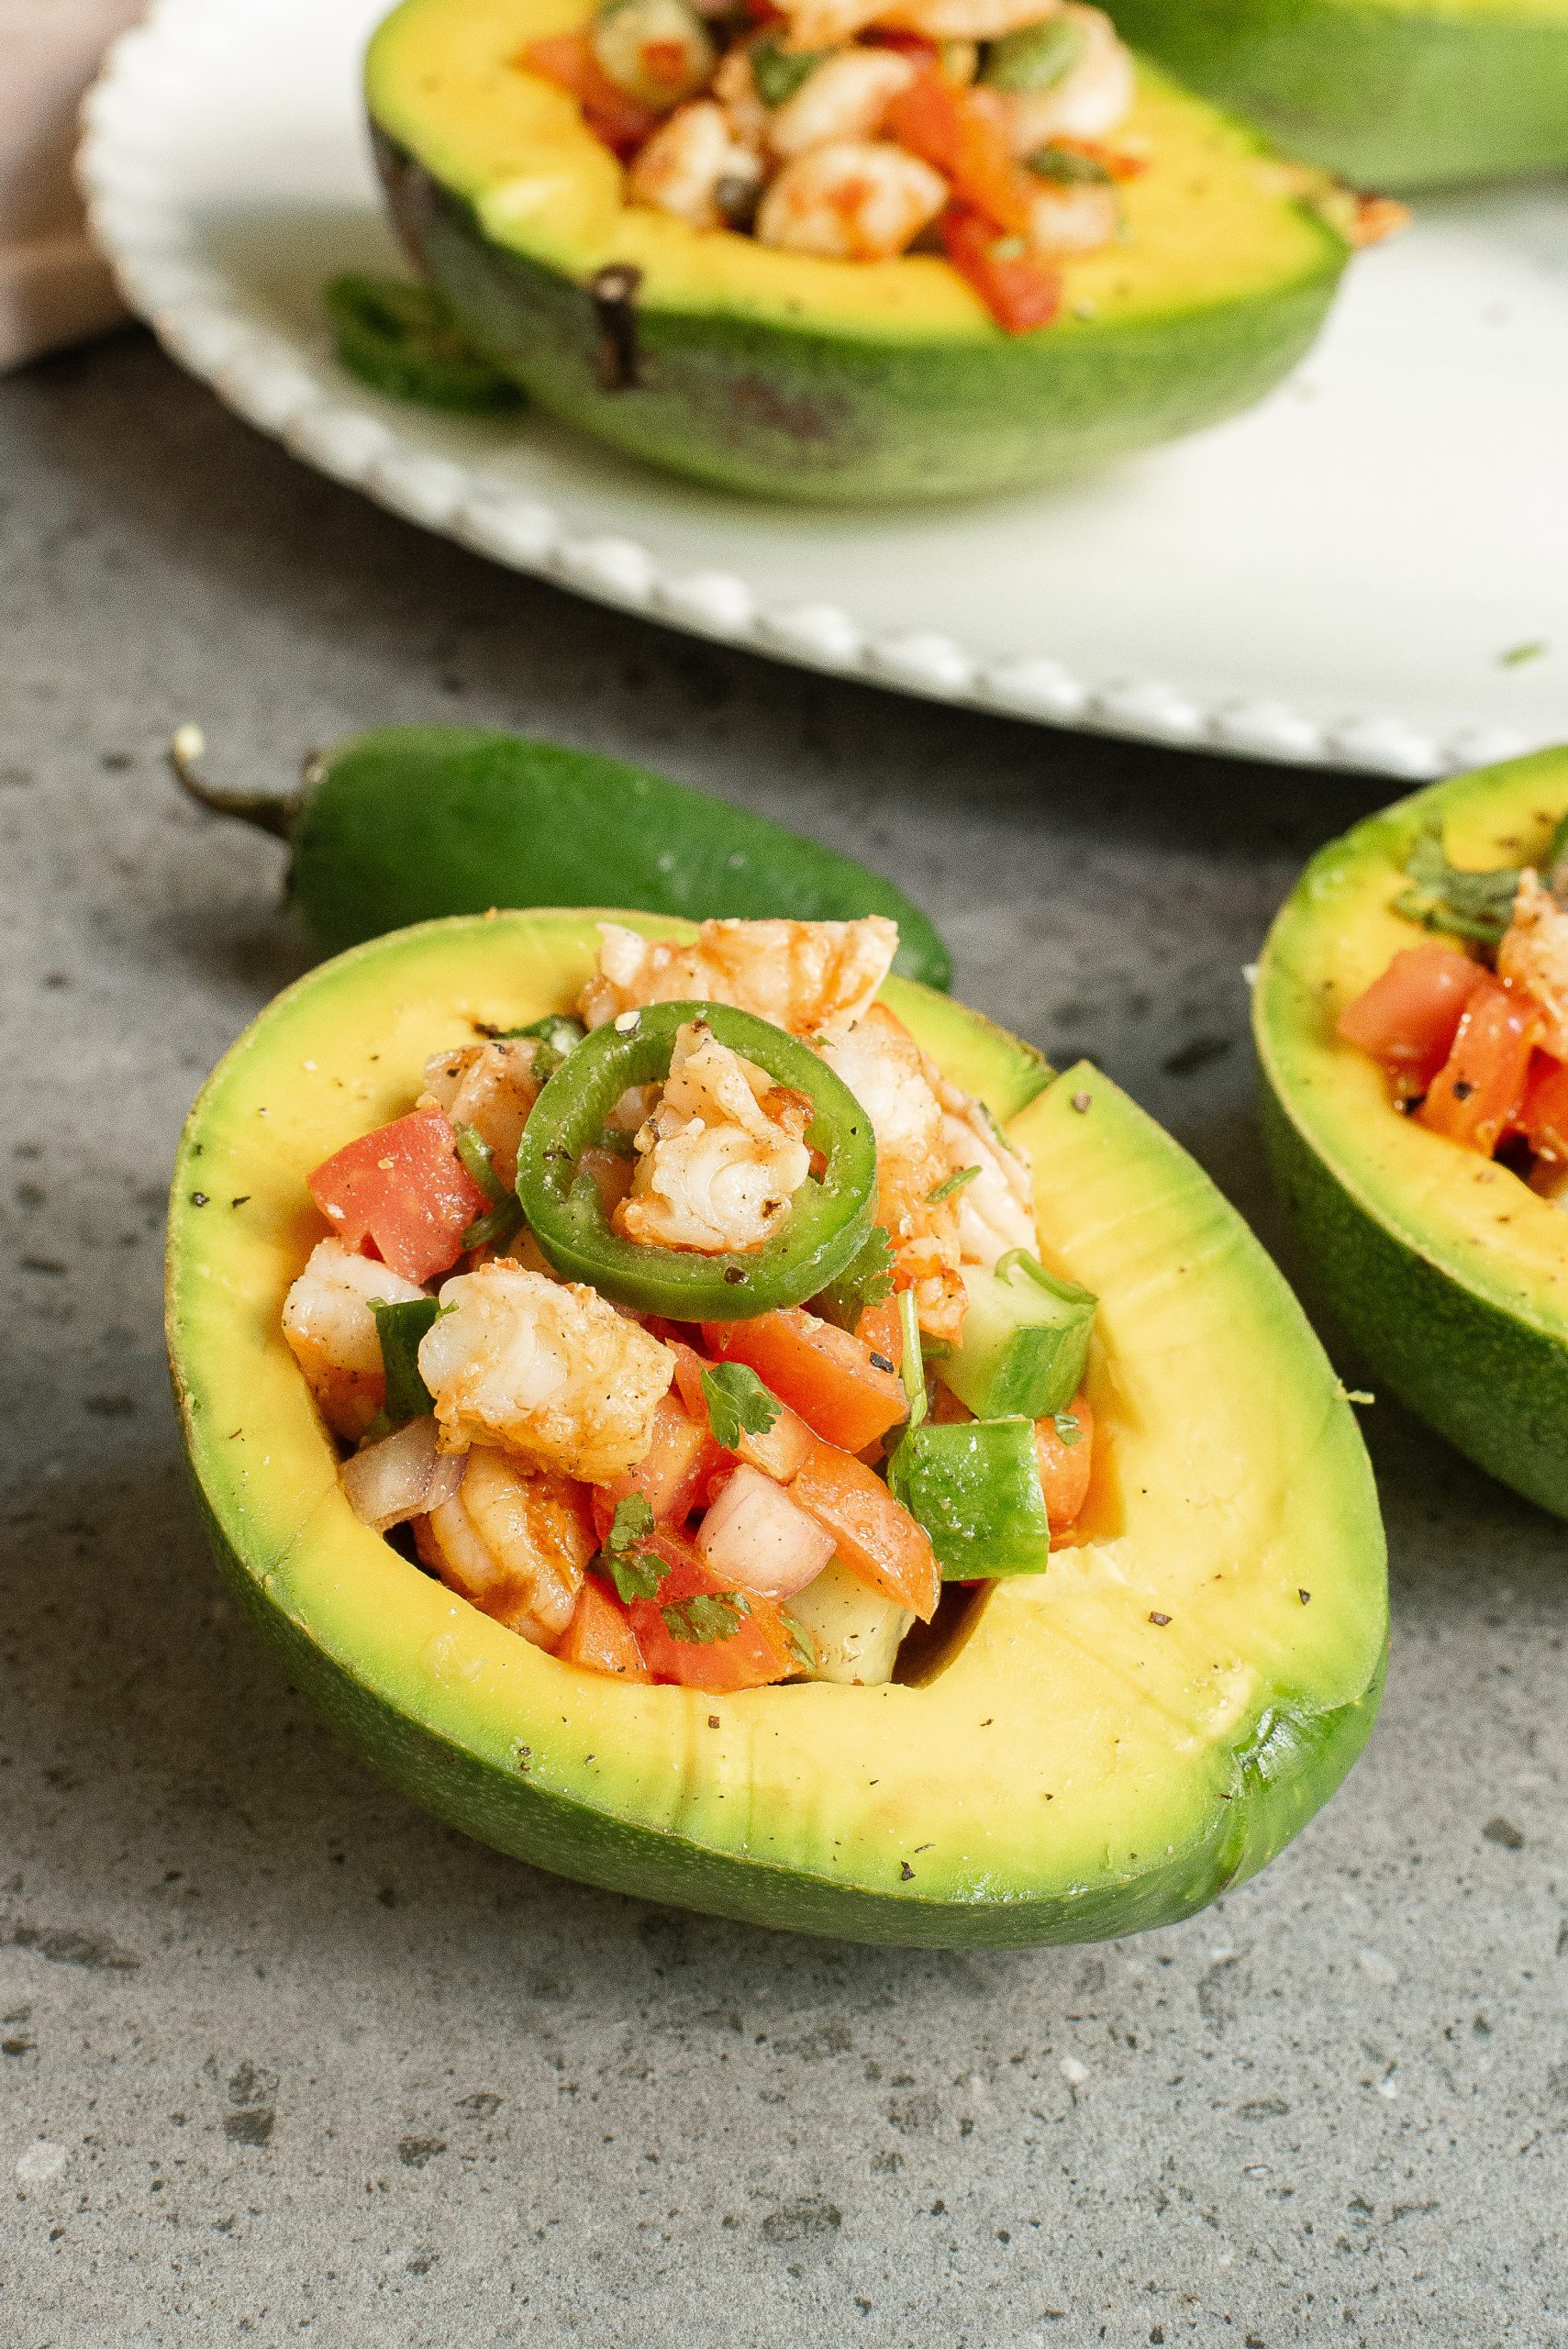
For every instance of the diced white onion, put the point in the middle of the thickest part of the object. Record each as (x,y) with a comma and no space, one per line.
(754,1537)
(402,1476)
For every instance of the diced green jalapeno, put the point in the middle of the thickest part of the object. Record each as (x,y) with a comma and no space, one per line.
(975,1489)
(400,1329)
(1026,1338)
(1035,57)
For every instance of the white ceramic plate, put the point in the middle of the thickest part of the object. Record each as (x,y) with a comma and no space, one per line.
(1368,571)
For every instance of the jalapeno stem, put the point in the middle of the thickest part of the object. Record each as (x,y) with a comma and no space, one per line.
(269,811)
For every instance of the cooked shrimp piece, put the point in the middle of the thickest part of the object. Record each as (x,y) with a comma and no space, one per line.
(995,1210)
(332,1335)
(1093,98)
(546,1369)
(490,1087)
(845,97)
(1533,957)
(695,169)
(825,24)
(965,19)
(855,199)
(722,1155)
(809,977)
(514,1542)
(1066,220)
(892,1080)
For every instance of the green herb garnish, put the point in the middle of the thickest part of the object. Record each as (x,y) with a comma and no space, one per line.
(738,1404)
(802,1646)
(966,1175)
(635,1570)
(1067,1427)
(779,73)
(1448,897)
(710,1615)
(400,1328)
(556,1035)
(1067,168)
(1034,57)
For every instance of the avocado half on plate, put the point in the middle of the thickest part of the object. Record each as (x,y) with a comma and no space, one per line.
(1399,94)
(794,375)
(1070,1753)
(1423,1184)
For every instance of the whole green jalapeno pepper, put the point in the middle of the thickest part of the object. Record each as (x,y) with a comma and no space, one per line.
(828,1219)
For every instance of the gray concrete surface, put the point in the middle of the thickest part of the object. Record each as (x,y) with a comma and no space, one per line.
(279,2058)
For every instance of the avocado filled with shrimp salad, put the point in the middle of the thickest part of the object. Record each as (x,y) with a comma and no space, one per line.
(718,1420)
(846,250)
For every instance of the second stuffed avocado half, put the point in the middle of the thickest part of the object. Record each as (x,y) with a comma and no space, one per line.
(1400,94)
(1407,1015)
(1096,1745)
(797,374)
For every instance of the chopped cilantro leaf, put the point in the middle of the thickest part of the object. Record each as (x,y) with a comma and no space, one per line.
(708,1617)
(966,1175)
(778,73)
(636,1572)
(738,1404)
(1449,897)
(914,1365)
(1066,1427)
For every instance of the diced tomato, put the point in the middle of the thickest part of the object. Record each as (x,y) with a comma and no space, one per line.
(875,1538)
(778,1453)
(1409,1018)
(1065,1468)
(568,60)
(881,1332)
(821,1372)
(1020,292)
(759,1650)
(599,1636)
(963,134)
(1476,1096)
(673,1474)
(1543,1114)
(405,1188)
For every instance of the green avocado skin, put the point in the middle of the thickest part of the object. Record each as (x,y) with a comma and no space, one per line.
(1495,1388)
(1388,97)
(758,408)
(1296,1758)
(412,822)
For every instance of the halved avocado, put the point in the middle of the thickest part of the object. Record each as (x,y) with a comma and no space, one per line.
(1448,1273)
(841,381)
(1098,1749)
(1389,94)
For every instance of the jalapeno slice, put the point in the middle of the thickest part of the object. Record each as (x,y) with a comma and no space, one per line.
(828,1219)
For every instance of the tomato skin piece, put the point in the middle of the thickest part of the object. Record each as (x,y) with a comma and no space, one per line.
(1065,1468)
(1409,1016)
(880,1329)
(621,122)
(405,1188)
(1476,1096)
(758,1651)
(599,1637)
(1020,292)
(673,1473)
(962,135)
(821,1372)
(1543,1114)
(875,1538)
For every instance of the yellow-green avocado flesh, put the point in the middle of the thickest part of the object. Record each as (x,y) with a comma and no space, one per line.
(1448,1273)
(797,377)
(1076,1768)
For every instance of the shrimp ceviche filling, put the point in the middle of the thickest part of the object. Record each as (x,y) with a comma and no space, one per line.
(700,1337)
(989,130)
(1474,1035)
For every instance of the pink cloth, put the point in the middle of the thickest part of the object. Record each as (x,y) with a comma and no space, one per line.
(53,287)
